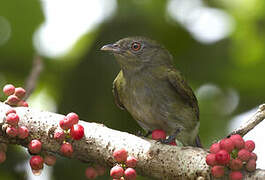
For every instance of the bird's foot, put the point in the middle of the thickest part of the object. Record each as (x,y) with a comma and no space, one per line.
(170,138)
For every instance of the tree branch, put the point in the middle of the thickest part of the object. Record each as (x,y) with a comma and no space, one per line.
(155,160)
(32,79)
(258,117)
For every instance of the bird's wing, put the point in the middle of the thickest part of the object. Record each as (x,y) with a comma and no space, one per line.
(178,82)
(115,85)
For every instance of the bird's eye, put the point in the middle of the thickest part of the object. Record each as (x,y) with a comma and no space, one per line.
(136,46)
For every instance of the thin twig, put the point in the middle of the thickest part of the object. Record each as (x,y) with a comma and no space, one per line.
(251,123)
(33,76)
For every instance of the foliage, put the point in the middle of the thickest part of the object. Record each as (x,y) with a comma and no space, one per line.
(81,80)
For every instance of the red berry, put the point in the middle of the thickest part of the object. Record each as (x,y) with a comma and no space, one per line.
(158,134)
(131,162)
(235,164)
(10,111)
(227,144)
(67,149)
(235,175)
(222,157)
(12,131)
(253,156)
(12,100)
(2,156)
(72,118)
(59,135)
(116,172)
(238,141)
(251,165)
(244,155)
(215,148)
(22,103)
(130,174)
(20,92)
(91,173)
(23,132)
(77,131)
(210,159)
(120,155)
(34,146)
(218,171)
(100,170)
(64,124)
(9,89)
(250,145)
(50,160)
(36,162)
(12,119)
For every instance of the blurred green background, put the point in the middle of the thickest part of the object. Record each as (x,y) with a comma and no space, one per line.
(218,45)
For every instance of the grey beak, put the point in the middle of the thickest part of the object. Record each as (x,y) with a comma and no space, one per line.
(111,48)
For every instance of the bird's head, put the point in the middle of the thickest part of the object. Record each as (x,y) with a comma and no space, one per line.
(136,52)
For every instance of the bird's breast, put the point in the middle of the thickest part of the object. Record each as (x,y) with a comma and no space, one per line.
(148,100)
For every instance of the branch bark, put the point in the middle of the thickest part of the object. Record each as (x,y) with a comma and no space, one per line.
(155,160)
(258,117)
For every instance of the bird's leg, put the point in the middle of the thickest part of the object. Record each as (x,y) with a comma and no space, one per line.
(170,138)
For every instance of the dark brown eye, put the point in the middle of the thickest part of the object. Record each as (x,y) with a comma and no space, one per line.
(136,46)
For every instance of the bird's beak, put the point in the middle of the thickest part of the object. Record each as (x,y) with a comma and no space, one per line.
(111,47)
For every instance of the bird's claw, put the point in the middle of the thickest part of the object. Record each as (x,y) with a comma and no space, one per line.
(170,138)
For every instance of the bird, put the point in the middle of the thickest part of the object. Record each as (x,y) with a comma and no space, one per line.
(153,91)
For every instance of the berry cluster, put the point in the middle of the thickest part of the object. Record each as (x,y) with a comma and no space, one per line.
(69,129)
(12,128)
(37,161)
(159,134)
(94,172)
(232,154)
(125,167)
(15,95)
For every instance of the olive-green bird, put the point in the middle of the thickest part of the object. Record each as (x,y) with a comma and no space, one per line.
(151,89)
